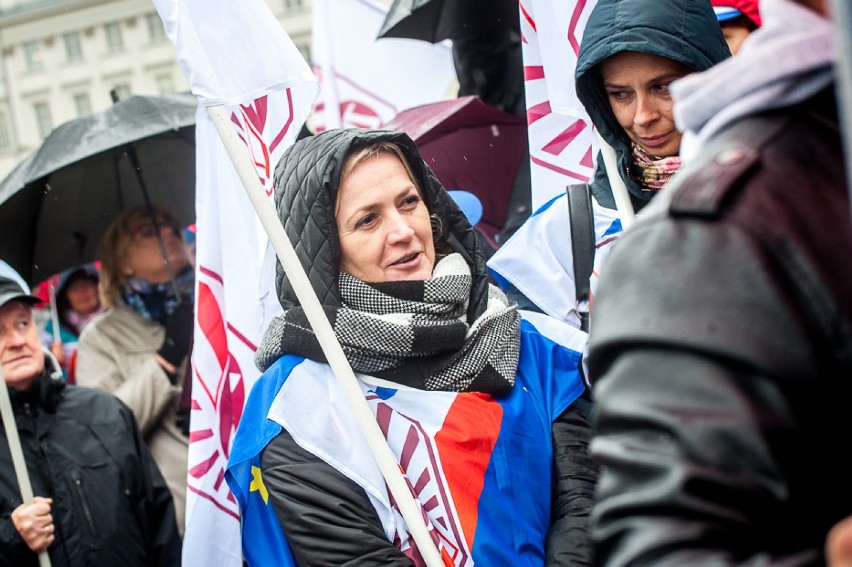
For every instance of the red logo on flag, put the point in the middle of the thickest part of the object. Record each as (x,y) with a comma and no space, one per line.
(217,400)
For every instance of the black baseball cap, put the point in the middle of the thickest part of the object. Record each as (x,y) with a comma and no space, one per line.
(10,289)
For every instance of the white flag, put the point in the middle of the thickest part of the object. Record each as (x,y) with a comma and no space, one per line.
(234,54)
(365,82)
(560,131)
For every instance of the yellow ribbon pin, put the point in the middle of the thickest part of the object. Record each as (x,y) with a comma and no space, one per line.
(257,485)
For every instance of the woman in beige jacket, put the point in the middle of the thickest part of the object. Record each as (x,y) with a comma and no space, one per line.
(138,349)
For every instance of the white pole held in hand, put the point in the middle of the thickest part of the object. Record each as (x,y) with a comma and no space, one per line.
(18,462)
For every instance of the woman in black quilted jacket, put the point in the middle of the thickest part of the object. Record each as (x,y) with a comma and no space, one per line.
(480,410)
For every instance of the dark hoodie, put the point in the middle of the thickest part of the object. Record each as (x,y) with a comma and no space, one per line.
(685,31)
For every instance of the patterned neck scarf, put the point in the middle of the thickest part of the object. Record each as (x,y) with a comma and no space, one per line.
(156,302)
(654,172)
(413,333)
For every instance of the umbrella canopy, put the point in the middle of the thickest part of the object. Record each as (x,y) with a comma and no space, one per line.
(56,205)
(437,20)
(472,147)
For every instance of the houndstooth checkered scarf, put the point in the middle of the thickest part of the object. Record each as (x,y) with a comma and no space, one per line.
(413,333)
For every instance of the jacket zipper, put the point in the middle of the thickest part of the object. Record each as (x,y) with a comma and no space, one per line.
(78,484)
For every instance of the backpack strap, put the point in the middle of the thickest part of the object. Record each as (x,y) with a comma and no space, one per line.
(582,243)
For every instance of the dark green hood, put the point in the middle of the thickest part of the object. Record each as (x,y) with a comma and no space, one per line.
(686,31)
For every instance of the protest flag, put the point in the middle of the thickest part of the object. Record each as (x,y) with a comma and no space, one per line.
(560,131)
(256,93)
(563,144)
(364,81)
(237,55)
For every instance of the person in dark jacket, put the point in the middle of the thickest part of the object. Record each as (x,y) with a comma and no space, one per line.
(630,53)
(99,498)
(399,271)
(721,350)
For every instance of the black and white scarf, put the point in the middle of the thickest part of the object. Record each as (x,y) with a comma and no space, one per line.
(412,333)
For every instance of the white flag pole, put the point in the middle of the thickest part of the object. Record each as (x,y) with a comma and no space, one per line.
(616,183)
(325,335)
(18,462)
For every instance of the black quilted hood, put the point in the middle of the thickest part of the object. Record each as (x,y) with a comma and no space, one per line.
(306,182)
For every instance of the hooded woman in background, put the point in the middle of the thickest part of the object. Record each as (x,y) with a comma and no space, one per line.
(77,303)
(631,51)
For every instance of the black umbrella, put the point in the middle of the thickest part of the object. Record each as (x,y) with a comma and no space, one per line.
(56,205)
(437,20)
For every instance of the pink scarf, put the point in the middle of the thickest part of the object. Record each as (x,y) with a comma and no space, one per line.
(654,172)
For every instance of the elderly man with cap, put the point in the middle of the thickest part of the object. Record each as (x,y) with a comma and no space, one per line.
(99,498)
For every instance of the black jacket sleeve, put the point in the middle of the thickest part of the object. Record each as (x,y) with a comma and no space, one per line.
(327,518)
(575,474)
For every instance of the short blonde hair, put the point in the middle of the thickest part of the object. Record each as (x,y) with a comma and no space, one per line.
(384,147)
(115,246)
(363,154)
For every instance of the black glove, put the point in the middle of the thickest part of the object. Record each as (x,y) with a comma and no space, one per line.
(178,335)
(182,420)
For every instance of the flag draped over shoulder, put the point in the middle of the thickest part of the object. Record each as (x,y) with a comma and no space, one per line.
(365,82)
(487,511)
(561,139)
(234,54)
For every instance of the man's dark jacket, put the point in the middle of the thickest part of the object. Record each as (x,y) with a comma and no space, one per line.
(83,450)
(722,353)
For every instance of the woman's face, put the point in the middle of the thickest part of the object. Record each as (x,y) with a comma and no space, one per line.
(637,85)
(144,257)
(383,224)
(82,295)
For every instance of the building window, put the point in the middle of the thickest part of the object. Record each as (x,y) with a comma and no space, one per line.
(156,32)
(122,91)
(33,55)
(44,122)
(292,5)
(73,48)
(165,84)
(5,138)
(82,103)
(113,37)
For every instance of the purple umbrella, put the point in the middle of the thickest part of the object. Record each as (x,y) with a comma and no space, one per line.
(470,146)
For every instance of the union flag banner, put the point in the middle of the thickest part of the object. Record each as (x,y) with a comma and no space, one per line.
(562,145)
(237,55)
(365,82)
(476,511)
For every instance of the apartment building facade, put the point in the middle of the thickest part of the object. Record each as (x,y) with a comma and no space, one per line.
(60,59)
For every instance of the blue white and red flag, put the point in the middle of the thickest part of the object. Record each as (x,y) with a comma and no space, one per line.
(487,510)
(234,54)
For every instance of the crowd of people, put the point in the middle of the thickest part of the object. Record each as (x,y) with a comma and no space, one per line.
(669,394)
